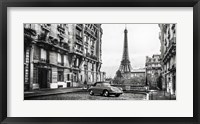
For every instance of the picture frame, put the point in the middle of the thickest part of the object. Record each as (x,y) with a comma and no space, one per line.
(103,3)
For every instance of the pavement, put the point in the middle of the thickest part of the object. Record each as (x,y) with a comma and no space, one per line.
(46,92)
(161,95)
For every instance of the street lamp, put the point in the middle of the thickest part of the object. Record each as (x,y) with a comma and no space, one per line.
(85,67)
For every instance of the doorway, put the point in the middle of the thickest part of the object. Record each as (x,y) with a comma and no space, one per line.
(174,84)
(42,77)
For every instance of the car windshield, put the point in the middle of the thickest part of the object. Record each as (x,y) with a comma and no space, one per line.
(106,84)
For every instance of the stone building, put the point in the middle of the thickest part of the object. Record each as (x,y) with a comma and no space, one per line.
(62,55)
(167,38)
(153,71)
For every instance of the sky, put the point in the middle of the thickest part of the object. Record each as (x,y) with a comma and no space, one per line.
(143,40)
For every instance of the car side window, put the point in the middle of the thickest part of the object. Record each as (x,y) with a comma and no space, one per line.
(98,85)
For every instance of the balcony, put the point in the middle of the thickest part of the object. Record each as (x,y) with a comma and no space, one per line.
(170,51)
(79,26)
(29,35)
(78,37)
(61,63)
(42,60)
(53,40)
(65,46)
(79,51)
(90,32)
(91,56)
(61,28)
(61,35)
(42,37)
(92,47)
(79,42)
(46,27)
(172,43)
(86,43)
(173,68)
(30,31)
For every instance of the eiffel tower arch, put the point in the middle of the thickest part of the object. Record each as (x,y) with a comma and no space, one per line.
(125,66)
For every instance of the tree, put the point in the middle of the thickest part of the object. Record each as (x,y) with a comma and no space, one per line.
(119,74)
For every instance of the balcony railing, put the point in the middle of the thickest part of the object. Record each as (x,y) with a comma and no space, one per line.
(30,31)
(29,35)
(79,42)
(79,26)
(90,32)
(91,56)
(46,27)
(78,37)
(65,46)
(79,51)
(172,42)
(86,43)
(173,68)
(42,37)
(61,63)
(170,51)
(61,35)
(61,28)
(92,47)
(42,60)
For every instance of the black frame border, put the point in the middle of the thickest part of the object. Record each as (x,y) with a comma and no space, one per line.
(4,4)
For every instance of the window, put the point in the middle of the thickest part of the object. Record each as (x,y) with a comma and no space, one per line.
(60,76)
(85,38)
(68,77)
(92,67)
(79,33)
(60,59)
(43,54)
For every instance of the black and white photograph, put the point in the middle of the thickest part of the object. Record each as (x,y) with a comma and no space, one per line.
(87,61)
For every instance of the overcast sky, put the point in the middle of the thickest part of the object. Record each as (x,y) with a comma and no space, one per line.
(143,40)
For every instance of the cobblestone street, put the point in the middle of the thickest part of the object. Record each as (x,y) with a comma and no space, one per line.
(86,96)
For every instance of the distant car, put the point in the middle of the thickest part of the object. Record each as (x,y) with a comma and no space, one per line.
(105,89)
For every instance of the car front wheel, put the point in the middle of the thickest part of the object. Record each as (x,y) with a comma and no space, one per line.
(105,93)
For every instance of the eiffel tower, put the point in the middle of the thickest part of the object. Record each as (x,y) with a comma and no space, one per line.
(125,66)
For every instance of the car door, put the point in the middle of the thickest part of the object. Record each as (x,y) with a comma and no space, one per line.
(98,88)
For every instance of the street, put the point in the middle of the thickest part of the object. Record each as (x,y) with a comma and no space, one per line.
(86,96)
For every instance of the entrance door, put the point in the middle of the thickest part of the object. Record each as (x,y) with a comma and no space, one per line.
(42,77)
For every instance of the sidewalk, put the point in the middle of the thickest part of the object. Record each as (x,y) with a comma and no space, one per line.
(45,92)
(161,95)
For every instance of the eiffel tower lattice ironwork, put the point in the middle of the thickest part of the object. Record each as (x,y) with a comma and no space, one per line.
(125,66)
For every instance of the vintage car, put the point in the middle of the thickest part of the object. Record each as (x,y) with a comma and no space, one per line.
(105,89)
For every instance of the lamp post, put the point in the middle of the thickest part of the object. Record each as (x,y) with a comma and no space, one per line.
(85,67)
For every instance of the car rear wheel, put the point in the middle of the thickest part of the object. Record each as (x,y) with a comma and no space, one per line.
(91,92)
(105,93)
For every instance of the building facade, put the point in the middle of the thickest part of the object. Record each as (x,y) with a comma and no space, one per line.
(62,55)
(153,71)
(167,38)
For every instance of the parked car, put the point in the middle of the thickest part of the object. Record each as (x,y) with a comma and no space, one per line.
(105,89)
